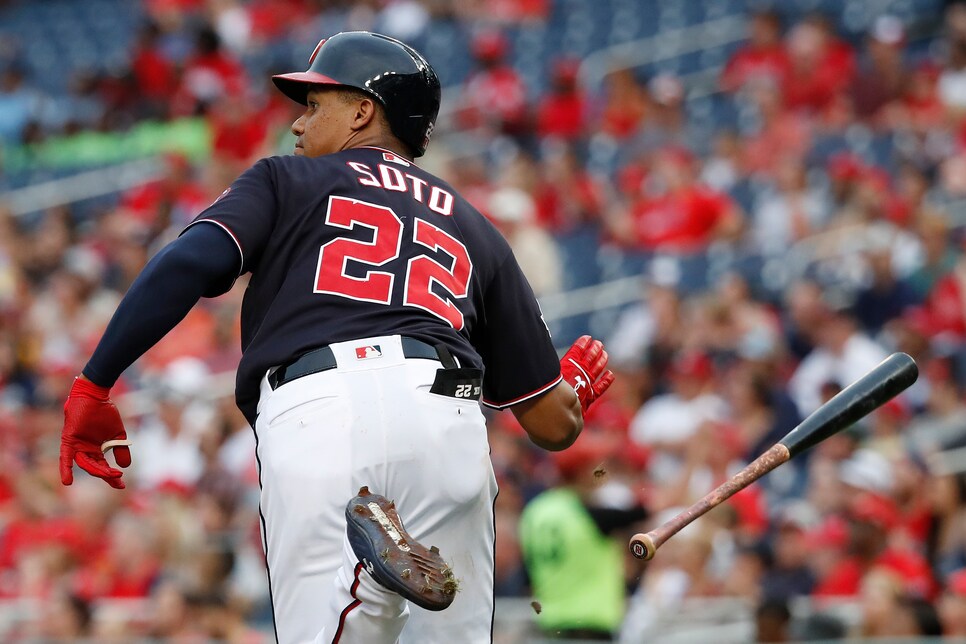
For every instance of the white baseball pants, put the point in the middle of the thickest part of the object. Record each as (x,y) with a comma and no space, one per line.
(372,421)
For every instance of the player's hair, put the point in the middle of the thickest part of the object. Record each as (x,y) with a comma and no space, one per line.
(350,95)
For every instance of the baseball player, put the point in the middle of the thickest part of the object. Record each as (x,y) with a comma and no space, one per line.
(381,308)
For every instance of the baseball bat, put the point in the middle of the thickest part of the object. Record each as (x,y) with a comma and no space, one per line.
(886,380)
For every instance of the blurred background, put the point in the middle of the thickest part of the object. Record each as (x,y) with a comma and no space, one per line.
(751,202)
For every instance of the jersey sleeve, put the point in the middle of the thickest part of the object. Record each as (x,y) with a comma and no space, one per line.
(514,343)
(247,211)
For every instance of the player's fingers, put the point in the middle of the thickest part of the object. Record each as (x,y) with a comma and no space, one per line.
(581,344)
(122,456)
(96,465)
(599,364)
(66,464)
(122,453)
(606,380)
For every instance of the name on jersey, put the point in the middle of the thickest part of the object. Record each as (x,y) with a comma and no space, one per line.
(393,179)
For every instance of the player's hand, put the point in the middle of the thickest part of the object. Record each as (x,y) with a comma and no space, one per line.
(584,367)
(92,426)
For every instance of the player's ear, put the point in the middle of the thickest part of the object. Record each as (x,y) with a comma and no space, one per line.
(365,113)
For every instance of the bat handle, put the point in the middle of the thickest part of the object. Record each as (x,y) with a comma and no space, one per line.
(643,546)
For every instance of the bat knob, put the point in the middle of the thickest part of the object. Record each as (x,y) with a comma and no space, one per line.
(642,546)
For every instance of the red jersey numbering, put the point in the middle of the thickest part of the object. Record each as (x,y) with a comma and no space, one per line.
(377,286)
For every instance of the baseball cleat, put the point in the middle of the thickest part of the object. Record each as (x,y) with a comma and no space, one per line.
(393,558)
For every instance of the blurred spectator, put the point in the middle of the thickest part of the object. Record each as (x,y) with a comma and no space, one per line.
(514,214)
(919,109)
(679,573)
(667,124)
(567,196)
(952,79)
(885,297)
(777,132)
(572,559)
(169,451)
(882,77)
(681,216)
(19,105)
(821,66)
(790,211)
(625,104)
(772,620)
(66,618)
(952,606)
(722,170)
(649,332)
(170,201)
(790,574)
(209,74)
(494,97)
(154,74)
(562,112)
(669,422)
(842,354)
(762,57)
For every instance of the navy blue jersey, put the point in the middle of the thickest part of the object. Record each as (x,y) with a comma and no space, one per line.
(364,243)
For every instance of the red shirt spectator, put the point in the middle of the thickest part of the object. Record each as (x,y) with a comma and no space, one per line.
(763,57)
(625,105)
(174,199)
(567,195)
(688,216)
(494,95)
(945,306)
(562,112)
(153,73)
(209,74)
(237,132)
(271,19)
(821,67)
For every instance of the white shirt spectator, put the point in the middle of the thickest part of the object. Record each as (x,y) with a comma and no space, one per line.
(670,420)
(859,355)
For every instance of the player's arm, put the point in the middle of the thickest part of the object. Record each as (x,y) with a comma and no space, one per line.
(555,419)
(552,421)
(204,261)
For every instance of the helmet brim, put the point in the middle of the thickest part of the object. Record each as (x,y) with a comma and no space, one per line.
(296,84)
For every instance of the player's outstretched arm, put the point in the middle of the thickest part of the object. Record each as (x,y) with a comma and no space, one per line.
(203,261)
(555,419)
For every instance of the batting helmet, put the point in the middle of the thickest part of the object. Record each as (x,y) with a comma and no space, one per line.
(391,72)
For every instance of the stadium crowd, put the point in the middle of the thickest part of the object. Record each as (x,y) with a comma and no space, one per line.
(711,369)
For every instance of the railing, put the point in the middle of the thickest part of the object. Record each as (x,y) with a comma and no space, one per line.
(81,186)
(666,45)
(723,620)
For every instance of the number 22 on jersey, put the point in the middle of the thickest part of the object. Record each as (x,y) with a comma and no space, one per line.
(376,286)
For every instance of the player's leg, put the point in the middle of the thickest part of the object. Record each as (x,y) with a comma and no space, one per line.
(430,454)
(304,458)
(449,503)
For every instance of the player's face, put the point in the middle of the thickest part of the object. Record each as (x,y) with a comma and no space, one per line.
(324,126)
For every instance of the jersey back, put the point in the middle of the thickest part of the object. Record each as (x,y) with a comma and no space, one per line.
(364,243)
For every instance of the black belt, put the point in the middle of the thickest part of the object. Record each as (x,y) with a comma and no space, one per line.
(451,381)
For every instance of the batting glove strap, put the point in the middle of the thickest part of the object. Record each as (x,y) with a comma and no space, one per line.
(584,367)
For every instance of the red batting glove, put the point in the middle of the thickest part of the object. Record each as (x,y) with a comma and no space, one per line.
(583,366)
(90,421)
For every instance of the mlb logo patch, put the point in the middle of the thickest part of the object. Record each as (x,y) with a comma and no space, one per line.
(392,158)
(370,351)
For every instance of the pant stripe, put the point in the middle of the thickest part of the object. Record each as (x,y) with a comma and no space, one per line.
(352,605)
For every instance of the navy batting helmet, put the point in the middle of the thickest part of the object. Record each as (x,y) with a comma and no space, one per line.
(393,73)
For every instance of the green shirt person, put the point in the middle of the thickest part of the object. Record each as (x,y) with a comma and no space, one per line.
(576,570)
